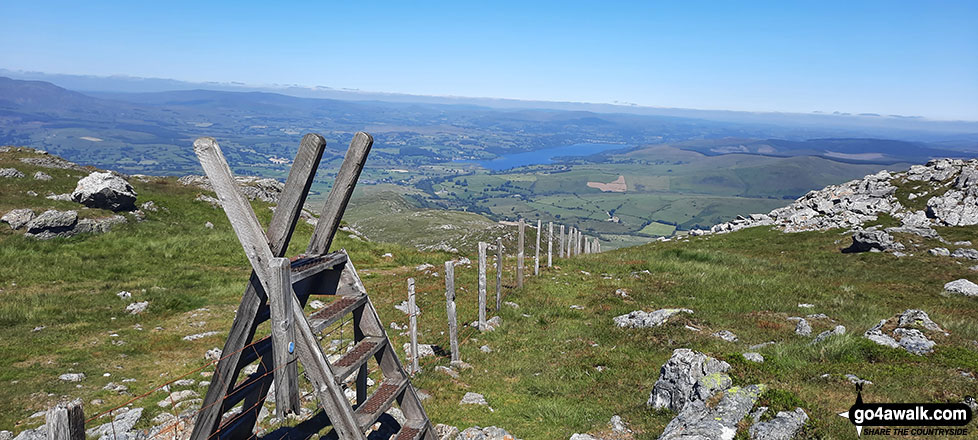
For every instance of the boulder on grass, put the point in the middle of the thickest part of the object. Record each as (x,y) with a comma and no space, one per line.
(105,191)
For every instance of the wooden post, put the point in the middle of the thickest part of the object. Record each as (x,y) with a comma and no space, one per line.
(519,257)
(499,273)
(339,196)
(66,421)
(450,304)
(536,260)
(570,241)
(550,244)
(482,285)
(283,338)
(561,253)
(413,327)
(587,245)
(580,242)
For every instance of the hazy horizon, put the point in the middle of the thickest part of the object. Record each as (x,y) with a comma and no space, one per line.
(872,57)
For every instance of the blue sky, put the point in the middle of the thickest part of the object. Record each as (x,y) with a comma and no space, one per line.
(893,57)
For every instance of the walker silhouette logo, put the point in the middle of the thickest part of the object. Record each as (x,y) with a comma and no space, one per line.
(897,418)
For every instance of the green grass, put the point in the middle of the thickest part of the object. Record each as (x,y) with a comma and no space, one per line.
(541,378)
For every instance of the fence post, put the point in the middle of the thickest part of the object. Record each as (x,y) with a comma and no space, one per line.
(482,285)
(413,326)
(66,421)
(550,244)
(536,260)
(587,245)
(519,257)
(450,304)
(561,253)
(283,338)
(499,273)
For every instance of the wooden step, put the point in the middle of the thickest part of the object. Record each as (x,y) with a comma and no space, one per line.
(335,311)
(306,266)
(379,402)
(412,430)
(357,357)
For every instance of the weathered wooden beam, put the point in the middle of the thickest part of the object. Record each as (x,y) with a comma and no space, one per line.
(236,206)
(536,259)
(283,338)
(561,253)
(66,421)
(482,285)
(339,196)
(450,304)
(550,244)
(519,257)
(499,273)
(413,327)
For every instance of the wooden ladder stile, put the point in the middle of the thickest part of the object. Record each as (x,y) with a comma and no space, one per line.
(278,291)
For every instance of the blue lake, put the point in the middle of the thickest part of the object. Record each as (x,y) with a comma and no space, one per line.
(545,156)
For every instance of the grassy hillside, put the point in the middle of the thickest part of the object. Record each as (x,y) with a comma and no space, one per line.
(542,377)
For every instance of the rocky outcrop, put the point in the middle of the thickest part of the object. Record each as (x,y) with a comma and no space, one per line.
(904,331)
(873,240)
(961,287)
(784,426)
(699,421)
(18,218)
(53,223)
(642,319)
(953,202)
(688,376)
(253,187)
(10,173)
(105,191)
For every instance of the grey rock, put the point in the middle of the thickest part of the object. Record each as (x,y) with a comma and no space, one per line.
(803,328)
(59,197)
(116,387)
(446,432)
(40,175)
(252,187)
(448,371)
(876,335)
(149,206)
(681,379)
(618,425)
(471,398)
(177,396)
(916,317)
(863,241)
(72,377)
(97,226)
(213,354)
(699,422)
(6,435)
(754,357)
(784,426)
(105,191)
(51,162)
(838,330)
(18,218)
(209,225)
(856,380)
(962,287)
(119,428)
(940,252)
(726,335)
(970,254)
(39,433)
(641,319)
(914,341)
(962,243)
(52,223)
(10,173)
(137,307)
